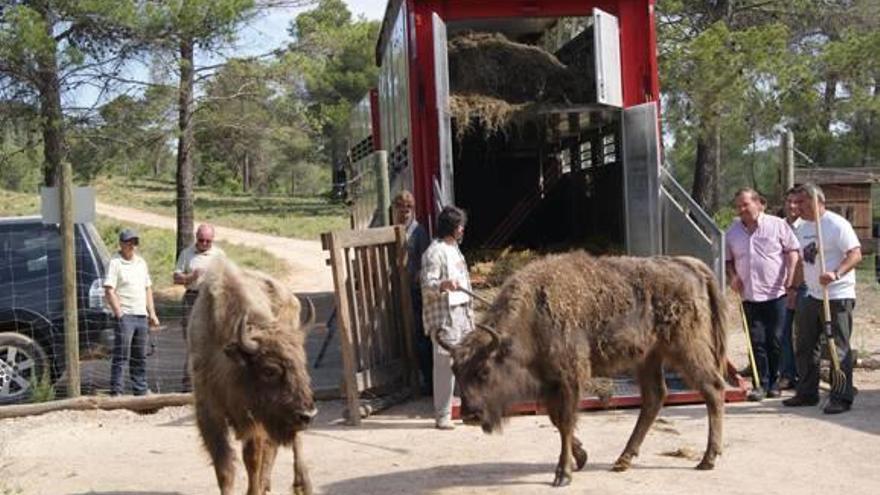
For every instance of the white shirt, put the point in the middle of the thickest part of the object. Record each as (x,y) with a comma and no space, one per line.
(457,269)
(130,279)
(838,237)
(191,260)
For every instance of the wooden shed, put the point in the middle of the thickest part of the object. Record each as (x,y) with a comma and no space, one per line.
(848,193)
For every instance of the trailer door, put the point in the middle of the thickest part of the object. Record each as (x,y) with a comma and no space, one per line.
(606,39)
(444,121)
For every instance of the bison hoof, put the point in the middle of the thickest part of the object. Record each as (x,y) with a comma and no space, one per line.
(302,490)
(562,478)
(580,458)
(706,465)
(621,465)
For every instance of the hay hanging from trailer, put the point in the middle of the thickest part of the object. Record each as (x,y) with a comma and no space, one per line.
(495,81)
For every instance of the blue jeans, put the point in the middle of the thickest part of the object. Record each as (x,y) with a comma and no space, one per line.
(765,330)
(130,340)
(788,366)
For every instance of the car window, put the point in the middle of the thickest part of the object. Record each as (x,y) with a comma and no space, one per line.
(30,252)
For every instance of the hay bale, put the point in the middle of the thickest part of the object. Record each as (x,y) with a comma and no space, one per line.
(495,82)
(489,64)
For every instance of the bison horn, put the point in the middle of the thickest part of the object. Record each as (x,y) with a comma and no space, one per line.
(248,344)
(442,343)
(496,337)
(312,314)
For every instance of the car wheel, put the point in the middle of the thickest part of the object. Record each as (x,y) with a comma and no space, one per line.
(22,363)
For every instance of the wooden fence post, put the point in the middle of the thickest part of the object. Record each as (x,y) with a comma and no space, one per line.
(349,370)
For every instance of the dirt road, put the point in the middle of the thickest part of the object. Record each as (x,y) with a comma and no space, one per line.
(308,270)
(767,449)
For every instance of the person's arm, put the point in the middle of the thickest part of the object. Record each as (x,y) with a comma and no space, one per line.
(113,301)
(853,258)
(180,275)
(151,309)
(110,279)
(732,278)
(791,263)
(432,271)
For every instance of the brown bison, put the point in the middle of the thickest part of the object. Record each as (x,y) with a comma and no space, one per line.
(248,369)
(564,319)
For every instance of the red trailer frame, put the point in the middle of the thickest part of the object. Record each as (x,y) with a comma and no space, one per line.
(638,46)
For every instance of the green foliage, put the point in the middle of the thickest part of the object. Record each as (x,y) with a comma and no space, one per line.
(42,389)
(13,203)
(302,217)
(750,68)
(724,217)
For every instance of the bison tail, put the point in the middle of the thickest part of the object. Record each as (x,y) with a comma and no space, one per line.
(718,307)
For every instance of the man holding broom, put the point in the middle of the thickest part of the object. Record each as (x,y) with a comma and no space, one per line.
(762,253)
(841,251)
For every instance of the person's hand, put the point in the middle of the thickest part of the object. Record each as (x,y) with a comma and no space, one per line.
(154,322)
(736,284)
(791,299)
(118,315)
(448,285)
(196,274)
(828,277)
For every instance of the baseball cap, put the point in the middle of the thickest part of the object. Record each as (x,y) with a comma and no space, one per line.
(128,235)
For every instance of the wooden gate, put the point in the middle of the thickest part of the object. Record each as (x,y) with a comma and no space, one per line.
(374,310)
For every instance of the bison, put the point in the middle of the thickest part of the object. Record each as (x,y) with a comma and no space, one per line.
(248,371)
(564,319)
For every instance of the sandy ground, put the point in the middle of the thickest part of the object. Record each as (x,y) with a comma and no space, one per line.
(767,448)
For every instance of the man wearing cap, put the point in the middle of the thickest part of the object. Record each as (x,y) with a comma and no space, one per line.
(191,265)
(129,293)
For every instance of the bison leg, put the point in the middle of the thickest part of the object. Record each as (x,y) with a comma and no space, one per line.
(252,455)
(215,436)
(562,409)
(270,451)
(653,389)
(302,485)
(702,375)
(577,450)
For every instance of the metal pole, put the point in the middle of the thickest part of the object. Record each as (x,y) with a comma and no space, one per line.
(383,187)
(68,269)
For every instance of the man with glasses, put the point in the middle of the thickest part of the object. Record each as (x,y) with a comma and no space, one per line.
(191,265)
(129,294)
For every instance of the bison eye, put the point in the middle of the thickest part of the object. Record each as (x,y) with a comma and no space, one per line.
(270,372)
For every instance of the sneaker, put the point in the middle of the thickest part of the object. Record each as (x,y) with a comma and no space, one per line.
(445,423)
(836,407)
(755,395)
(774,394)
(801,401)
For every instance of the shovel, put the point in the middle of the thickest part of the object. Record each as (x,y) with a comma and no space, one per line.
(475,296)
(838,377)
(756,382)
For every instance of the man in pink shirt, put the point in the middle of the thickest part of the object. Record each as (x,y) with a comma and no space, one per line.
(762,253)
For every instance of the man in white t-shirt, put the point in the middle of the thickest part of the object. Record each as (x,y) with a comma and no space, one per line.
(446,311)
(191,265)
(842,252)
(129,293)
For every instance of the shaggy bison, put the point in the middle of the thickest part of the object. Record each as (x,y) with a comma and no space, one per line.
(249,373)
(564,319)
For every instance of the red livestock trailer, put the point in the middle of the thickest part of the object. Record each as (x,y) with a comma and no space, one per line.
(565,166)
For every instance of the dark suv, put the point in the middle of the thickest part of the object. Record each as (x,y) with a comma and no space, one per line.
(32,306)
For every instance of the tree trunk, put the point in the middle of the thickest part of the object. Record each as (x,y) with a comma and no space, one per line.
(246,174)
(50,111)
(828,100)
(707,169)
(185,143)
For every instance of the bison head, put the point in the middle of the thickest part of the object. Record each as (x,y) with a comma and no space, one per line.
(266,348)
(489,375)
